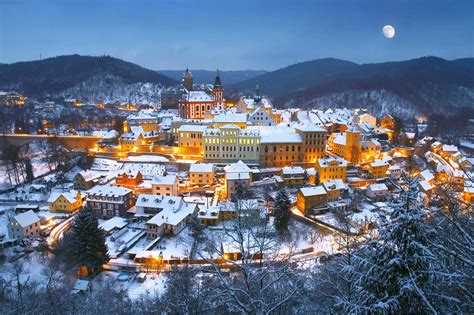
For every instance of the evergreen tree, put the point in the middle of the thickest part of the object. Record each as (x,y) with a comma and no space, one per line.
(397,271)
(86,242)
(282,210)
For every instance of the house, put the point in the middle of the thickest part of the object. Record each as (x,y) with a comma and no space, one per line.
(69,202)
(427,176)
(335,189)
(86,180)
(130,179)
(379,168)
(377,192)
(113,224)
(331,168)
(26,207)
(201,174)
(149,204)
(395,172)
(170,220)
(23,225)
(442,173)
(311,199)
(293,175)
(260,117)
(212,215)
(237,175)
(109,201)
(166,185)
(81,286)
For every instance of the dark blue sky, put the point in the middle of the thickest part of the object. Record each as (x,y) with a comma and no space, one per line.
(235,34)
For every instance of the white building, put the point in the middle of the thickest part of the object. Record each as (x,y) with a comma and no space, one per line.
(165,185)
(237,174)
(23,225)
(377,192)
(171,217)
(229,143)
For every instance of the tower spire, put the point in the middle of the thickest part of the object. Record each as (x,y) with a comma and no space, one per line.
(217,81)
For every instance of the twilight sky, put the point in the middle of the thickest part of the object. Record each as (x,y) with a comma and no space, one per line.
(235,34)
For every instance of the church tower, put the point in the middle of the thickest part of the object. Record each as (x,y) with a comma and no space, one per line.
(257,98)
(218,92)
(353,146)
(188,80)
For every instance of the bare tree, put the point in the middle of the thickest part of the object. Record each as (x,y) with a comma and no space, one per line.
(261,279)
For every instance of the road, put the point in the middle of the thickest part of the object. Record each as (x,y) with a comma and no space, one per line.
(58,232)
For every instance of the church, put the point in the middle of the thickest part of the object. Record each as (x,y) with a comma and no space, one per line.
(196,103)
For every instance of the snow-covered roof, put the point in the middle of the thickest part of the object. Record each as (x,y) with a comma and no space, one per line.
(158,202)
(309,127)
(169,179)
(130,173)
(71,196)
(201,168)
(237,167)
(230,118)
(113,223)
(331,161)
(427,175)
(27,218)
(335,184)
(313,191)
(378,187)
(89,175)
(108,190)
(173,216)
(378,163)
(192,128)
(81,285)
(208,212)
(425,185)
(340,138)
(199,96)
(292,170)
(281,138)
(450,148)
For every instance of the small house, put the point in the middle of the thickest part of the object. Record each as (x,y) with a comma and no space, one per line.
(23,225)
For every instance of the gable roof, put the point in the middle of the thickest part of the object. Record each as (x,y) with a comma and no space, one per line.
(27,218)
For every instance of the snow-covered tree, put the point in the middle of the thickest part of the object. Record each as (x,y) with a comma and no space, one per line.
(282,210)
(85,242)
(397,271)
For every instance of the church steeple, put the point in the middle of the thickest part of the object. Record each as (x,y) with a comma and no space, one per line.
(217,81)
(257,97)
(188,80)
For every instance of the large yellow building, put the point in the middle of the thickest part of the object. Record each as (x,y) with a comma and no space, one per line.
(348,145)
(229,143)
(379,168)
(69,202)
(309,199)
(331,168)
(313,141)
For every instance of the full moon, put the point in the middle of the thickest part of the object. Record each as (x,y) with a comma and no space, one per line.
(388,31)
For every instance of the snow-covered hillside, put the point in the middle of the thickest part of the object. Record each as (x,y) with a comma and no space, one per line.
(109,88)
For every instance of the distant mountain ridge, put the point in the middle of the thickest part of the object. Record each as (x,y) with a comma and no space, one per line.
(422,85)
(56,75)
(207,76)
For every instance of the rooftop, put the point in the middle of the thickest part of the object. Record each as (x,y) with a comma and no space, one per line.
(27,218)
